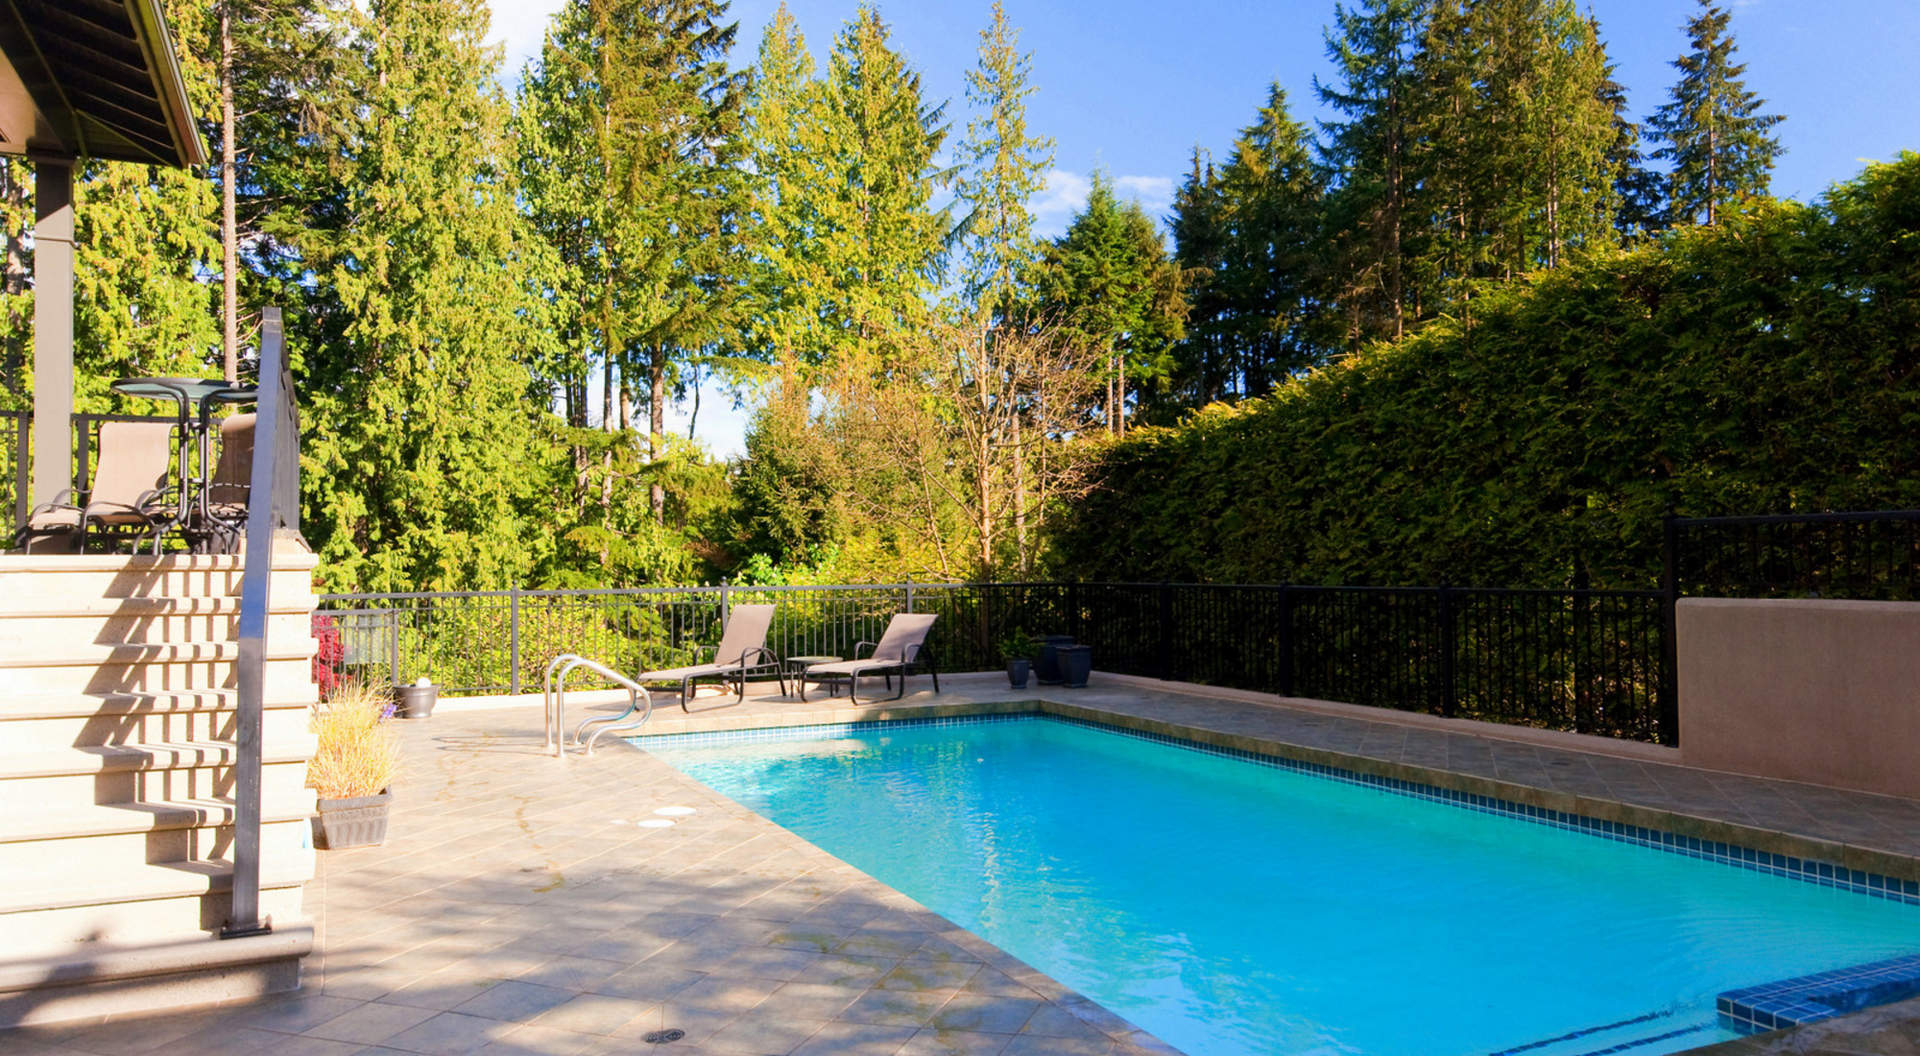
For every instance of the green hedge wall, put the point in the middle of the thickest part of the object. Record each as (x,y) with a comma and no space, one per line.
(1768,365)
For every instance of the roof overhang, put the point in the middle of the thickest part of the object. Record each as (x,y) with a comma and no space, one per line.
(96,79)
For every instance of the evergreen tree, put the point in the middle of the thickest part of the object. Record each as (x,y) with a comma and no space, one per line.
(1516,136)
(1274,205)
(272,64)
(1005,165)
(658,199)
(1374,213)
(1712,130)
(1109,284)
(881,241)
(423,461)
(1637,189)
(1204,360)
(783,318)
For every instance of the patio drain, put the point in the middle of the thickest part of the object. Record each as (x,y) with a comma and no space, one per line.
(661,1037)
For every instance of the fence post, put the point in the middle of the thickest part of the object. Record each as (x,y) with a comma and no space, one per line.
(1166,631)
(1286,641)
(1669,731)
(909,594)
(513,638)
(1449,639)
(393,646)
(726,603)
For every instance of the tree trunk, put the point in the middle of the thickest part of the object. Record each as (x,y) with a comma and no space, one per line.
(1020,496)
(657,427)
(229,209)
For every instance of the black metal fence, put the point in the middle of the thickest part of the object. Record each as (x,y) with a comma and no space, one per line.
(1869,556)
(1585,660)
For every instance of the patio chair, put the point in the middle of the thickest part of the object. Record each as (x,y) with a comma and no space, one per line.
(224,515)
(128,498)
(901,649)
(742,651)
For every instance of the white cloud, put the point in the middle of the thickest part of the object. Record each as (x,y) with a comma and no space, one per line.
(1066,192)
(521,25)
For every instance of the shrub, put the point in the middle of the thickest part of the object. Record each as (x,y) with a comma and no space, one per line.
(357,755)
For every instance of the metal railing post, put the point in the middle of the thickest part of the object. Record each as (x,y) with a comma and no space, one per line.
(726,602)
(1449,640)
(22,468)
(1286,641)
(1166,631)
(393,646)
(1669,732)
(909,594)
(513,639)
(256,581)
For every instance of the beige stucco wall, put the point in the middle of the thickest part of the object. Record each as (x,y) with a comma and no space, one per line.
(1821,691)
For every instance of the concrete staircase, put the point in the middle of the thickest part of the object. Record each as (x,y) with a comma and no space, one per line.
(117,720)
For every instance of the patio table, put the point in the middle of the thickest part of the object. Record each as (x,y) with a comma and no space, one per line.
(194,400)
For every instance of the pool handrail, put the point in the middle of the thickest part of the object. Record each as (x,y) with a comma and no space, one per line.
(554,697)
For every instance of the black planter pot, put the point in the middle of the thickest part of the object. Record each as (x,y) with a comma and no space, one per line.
(359,821)
(1076,663)
(1047,672)
(1017,673)
(415,702)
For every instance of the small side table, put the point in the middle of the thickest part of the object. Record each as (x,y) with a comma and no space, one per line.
(797,670)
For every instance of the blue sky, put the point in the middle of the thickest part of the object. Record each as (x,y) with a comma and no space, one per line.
(1131,86)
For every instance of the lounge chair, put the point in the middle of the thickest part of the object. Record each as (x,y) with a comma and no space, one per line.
(901,649)
(742,651)
(129,496)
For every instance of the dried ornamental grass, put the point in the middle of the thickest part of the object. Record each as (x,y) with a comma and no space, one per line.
(357,755)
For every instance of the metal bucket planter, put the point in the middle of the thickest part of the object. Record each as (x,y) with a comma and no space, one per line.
(360,821)
(1017,673)
(1076,663)
(415,702)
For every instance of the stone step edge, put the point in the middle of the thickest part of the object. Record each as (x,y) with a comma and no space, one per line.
(109,962)
(129,705)
(115,758)
(146,882)
(128,818)
(158,605)
(33,564)
(130,653)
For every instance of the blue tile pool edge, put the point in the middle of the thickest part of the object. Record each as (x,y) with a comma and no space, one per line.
(1805,870)
(1823,995)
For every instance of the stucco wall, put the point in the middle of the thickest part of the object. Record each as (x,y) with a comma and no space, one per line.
(1821,691)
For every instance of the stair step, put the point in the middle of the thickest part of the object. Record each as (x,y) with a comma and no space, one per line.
(90,731)
(144,882)
(112,819)
(79,705)
(129,653)
(162,755)
(95,979)
(199,605)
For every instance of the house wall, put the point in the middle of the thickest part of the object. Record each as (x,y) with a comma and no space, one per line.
(1826,692)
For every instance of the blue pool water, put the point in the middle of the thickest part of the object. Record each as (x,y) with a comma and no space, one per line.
(1232,908)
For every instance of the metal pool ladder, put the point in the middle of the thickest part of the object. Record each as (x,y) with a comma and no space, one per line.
(554,693)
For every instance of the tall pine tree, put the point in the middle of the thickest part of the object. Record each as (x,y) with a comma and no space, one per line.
(1375,213)
(1712,129)
(1005,165)
(881,241)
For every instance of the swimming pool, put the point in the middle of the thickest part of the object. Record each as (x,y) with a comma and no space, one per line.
(1233,908)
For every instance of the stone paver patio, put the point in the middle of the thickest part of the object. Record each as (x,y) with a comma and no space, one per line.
(520,905)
